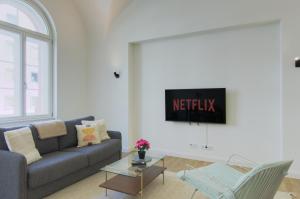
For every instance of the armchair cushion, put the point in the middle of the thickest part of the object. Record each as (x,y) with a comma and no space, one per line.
(215,180)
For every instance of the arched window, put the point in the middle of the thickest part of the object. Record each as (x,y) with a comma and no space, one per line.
(26,62)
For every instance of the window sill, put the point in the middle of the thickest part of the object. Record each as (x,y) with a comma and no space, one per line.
(15,122)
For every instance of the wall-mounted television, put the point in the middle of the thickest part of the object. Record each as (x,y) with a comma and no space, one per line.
(196,105)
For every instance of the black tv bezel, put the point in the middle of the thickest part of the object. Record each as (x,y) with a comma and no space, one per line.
(190,121)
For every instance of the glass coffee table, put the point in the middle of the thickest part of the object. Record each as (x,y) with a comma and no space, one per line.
(130,179)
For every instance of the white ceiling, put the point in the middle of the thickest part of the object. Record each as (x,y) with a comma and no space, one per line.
(97,15)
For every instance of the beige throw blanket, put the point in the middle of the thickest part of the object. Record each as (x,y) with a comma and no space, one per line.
(50,129)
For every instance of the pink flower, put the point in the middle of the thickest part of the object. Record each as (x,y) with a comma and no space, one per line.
(142,145)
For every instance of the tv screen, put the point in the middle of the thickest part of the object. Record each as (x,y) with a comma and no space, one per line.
(196,105)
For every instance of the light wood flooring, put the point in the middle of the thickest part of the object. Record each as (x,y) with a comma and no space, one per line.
(176,164)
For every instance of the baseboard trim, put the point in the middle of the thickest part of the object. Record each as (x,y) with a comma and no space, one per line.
(127,150)
(186,156)
(292,173)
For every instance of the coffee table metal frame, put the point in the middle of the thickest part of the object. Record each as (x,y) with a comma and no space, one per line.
(133,175)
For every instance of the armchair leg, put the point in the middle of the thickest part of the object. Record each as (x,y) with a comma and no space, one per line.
(194,193)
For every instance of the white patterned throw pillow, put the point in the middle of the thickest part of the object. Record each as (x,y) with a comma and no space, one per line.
(21,141)
(101,128)
(87,135)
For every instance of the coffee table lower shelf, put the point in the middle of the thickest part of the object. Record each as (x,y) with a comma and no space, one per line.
(133,185)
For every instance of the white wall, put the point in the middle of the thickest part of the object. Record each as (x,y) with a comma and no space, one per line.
(98,16)
(71,59)
(244,60)
(143,20)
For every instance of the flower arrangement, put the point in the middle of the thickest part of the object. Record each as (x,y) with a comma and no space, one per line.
(142,145)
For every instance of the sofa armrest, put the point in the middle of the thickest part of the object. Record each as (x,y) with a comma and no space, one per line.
(114,135)
(13,175)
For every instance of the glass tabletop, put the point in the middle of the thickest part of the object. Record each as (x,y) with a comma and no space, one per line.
(124,166)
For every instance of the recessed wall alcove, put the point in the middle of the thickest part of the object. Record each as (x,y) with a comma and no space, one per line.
(244,59)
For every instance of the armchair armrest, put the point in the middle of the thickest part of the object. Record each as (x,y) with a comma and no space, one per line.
(114,135)
(13,175)
(242,159)
(206,182)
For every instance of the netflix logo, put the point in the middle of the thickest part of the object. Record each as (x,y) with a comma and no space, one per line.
(196,105)
(205,105)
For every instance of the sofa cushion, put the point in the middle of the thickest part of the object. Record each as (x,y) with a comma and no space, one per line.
(44,146)
(101,128)
(54,166)
(98,152)
(70,140)
(3,145)
(87,135)
(21,141)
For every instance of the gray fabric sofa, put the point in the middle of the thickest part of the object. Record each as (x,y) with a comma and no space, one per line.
(62,164)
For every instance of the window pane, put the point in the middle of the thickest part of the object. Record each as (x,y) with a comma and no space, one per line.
(37,77)
(9,74)
(21,14)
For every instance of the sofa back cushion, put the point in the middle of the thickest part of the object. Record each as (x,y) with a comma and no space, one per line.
(43,146)
(70,140)
(46,145)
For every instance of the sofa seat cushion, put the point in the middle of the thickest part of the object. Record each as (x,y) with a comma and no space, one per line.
(98,152)
(54,166)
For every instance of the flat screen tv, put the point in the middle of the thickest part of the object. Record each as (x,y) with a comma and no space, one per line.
(196,105)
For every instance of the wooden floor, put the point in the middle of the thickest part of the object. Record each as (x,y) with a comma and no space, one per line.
(176,164)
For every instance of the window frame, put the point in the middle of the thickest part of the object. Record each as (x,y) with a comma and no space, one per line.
(49,38)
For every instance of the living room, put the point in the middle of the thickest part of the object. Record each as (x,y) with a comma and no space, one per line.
(124,63)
